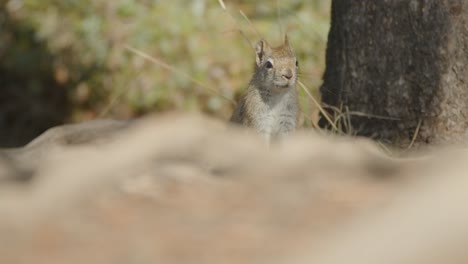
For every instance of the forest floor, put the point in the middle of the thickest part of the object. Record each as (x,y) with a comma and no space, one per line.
(186,189)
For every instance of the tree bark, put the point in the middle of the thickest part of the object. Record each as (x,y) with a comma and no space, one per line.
(398,69)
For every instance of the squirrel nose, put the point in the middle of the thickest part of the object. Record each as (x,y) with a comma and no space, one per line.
(288,74)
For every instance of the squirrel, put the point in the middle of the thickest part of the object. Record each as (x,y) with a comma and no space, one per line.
(270,105)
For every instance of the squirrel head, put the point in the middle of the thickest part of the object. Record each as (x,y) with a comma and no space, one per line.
(275,68)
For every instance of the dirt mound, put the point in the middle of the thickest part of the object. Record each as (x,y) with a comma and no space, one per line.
(185,189)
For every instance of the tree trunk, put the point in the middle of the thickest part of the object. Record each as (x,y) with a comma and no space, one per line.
(398,69)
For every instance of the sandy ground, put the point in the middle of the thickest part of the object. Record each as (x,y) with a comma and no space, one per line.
(187,189)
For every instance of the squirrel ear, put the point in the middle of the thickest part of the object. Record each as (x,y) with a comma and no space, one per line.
(260,51)
(286,43)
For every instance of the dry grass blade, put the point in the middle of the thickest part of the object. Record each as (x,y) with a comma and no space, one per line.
(355,113)
(280,24)
(324,113)
(175,70)
(115,99)
(385,149)
(223,6)
(221,3)
(251,24)
(416,133)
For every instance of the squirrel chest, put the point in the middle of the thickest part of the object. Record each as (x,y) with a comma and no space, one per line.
(272,116)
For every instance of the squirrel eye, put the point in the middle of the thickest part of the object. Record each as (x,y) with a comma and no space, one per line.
(269,65)
(297,63)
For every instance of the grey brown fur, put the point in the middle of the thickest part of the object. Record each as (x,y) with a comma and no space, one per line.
(270,104)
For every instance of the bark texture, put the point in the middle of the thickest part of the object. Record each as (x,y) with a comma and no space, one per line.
(399,67)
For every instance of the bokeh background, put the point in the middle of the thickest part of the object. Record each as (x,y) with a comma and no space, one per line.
(66,61)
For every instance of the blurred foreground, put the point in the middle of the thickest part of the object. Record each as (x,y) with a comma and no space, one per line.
(185,189)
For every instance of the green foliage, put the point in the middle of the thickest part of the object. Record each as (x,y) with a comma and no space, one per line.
(198,38)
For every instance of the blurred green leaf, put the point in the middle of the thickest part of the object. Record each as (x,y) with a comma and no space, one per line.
(197,38)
